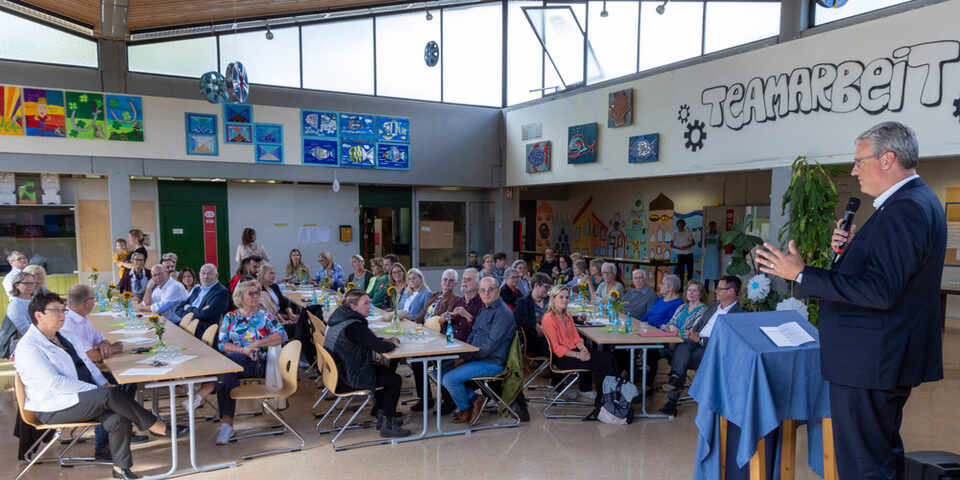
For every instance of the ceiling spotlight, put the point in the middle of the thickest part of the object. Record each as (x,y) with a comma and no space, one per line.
(604,13)
(662,8)
(429,16)
(269,34)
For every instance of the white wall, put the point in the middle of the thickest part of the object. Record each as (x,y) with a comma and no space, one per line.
(277,211)
(826,136)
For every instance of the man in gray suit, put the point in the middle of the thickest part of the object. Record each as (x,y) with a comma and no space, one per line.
(689,353)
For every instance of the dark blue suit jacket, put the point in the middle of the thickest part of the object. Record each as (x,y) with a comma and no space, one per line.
(880,303)
(214,304)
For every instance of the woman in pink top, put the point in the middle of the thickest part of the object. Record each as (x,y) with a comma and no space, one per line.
(567,348)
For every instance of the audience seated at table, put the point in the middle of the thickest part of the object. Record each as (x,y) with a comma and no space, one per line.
(398,280)
(529,314)
(415,295)
(208,302)
(39,276)
(564,268)
(163,295)
(330,274)
(169,261)
(499,265)
(581,276)
(351,344)
(188,278)
(609,284)
(61,385)
(687,355)
(388,261)
(492,333)
(24,287)
(377,286)
(297,271)
(568,350)
(360,276)
(549,262)
(136,277)
(244,335)
(639,297)
(509,292)
(687,314)
(439,303)
(524,283)
(249,247)
(138,243)
(247,270)
(465,308)
(18,261)
(272,300)
(662,310)
(489,267)
(596,276)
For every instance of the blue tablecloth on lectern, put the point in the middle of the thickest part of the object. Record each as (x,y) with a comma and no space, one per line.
(754,384)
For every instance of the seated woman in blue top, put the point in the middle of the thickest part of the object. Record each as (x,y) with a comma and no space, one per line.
(662,310)
(330,270)
(415,296)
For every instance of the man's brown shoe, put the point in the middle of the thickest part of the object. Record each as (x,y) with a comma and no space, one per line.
(462,417)
(476,408)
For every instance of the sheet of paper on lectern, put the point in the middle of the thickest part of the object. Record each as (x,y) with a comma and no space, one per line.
(790,334)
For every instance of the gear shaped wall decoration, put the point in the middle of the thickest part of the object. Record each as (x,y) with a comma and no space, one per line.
(956,108)
(695,135)
(683,114)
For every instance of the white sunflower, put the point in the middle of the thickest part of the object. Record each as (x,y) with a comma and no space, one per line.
(758,287)
(796,305)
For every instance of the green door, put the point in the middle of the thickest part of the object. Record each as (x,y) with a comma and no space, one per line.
(182,223)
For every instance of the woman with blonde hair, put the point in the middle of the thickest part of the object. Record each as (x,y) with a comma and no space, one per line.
(567,348)
(415,296)
(329,270)
(297,271)
(39,276)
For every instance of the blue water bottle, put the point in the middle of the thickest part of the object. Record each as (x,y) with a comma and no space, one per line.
(449,333)
(313,301)
(628,324)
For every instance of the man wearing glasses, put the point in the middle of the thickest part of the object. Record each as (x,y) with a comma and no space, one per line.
(18,261)
(879,304)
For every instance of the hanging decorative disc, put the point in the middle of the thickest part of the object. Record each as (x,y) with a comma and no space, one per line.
(238,82)
(831,3)
(213,86)
(431,54)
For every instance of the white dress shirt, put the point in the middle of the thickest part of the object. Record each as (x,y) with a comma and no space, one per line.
(166,298)
(81,328)
(890,191)
(48,374)
(708,328)
(8,282)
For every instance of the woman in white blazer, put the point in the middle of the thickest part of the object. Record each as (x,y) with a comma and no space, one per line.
(62,385)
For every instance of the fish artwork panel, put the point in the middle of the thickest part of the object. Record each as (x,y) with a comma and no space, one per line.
(582,143)
(357,127)
(315,123)
(393,129)
(393,157)
(538,157)
(358,155)
(321,152)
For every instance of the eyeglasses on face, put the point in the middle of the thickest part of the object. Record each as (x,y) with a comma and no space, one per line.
(858,162)
(29,284)
(56,311)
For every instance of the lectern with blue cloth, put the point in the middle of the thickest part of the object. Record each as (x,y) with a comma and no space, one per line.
(748,381)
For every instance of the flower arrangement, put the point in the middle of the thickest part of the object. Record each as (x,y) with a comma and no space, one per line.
(559,279)
(326,282)
(125,298)
(760,296)
(616,304)
(758,287)
(394,295)
(584,290)
(94,276)
(158,328)
(351,286)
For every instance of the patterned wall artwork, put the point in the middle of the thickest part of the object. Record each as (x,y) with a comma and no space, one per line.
(637,229)
(661,227)
(201,131)
(44,113)
(319,124)
(544,233)
(538,157)
(11,111)
(582,143)
(694,221)
(358,154)
(393,157)
(318,151)
(268,142)
(85,115)
(124,117)
(644,148)
(357,127)
(616,238)
(319,132)
(393,129)
(238,133)
(237,113)
(589,232)
(620,108)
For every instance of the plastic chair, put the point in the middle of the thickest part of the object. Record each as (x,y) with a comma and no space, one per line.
(289,364)
(33,454)
(570,376)
(330,376)
(210,336)
(191,323)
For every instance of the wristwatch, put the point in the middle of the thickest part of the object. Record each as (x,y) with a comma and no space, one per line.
(799,278)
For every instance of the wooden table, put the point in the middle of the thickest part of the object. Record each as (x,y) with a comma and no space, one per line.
(631,342)
(788,452)
(948,288)
(205,368)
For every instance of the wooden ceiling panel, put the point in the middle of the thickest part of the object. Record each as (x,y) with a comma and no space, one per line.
(85,11)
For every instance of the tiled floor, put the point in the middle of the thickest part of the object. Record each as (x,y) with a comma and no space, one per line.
(651,449)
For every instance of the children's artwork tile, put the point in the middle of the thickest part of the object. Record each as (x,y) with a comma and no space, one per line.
(238,133)
(201,144)
(315,123)
(201,123)
(44,112)
(318,151)
(11,110)
(357,154)
(124,118)
(268,133)
(393,129)
(269,153)
(201,132)
(582,143)
(644,148)
(85,115)
(538,157)
(357,127)
(237,113)
(393,157)
(620,109)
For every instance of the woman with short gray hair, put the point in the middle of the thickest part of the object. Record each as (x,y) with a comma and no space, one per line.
(609,284)
(663,309)
(509,292)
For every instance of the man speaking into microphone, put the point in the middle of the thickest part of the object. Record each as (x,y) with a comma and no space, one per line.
(879,304)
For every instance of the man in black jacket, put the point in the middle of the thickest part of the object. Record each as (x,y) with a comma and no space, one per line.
(529,311)
(207,303)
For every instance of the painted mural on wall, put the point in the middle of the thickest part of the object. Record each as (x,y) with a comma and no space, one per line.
(620,108)
(661,228)
(637,229)
(544,226)
(44,113)
(616,238)
(589,232)
(694,221)
(124,118)
(909,74)
(11,111)
(582,143)
(85,115)
(538,157)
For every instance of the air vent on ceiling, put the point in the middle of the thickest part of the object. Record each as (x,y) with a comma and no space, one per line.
(531,131)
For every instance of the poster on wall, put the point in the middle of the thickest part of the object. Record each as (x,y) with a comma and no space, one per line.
(582,143)
(393,157)
(238,133)
(43,111)
(268,138)
(318,151)
(201,132)
(318,124)
(85,115)
(644,148)
(357,127)
(538,157)
(268,153)
(357,155)
(620,108)
(237,113)
(393,129)
(124,117)
(11,111)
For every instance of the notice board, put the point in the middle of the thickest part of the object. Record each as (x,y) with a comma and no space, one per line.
(436,235)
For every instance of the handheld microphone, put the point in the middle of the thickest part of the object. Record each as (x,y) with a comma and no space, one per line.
(852,206)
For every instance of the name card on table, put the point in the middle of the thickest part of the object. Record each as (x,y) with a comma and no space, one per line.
(790,334)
